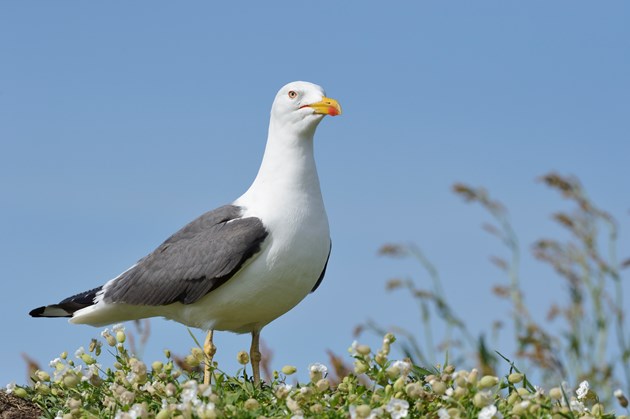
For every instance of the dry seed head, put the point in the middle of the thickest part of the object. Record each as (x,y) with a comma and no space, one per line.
(621,398)
(363,350)
(363,410)
(242,357)
(520,408)
(317,409)
(482,399)
(251,404)
(438,387)
(460,392)
(515,378)
(42,376)
(322,385)
(488,381)
(289,369)
(413,390)
(360,367)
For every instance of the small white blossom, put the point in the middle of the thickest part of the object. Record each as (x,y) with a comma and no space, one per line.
(577,406)
(91,371)
(55,362)
(443,413)
(138,411)
(131,377)
(189,393)
(490,412)
(318,367)
(118,328)
(397,408)
(353,348)
(618,392)
(317,371)
(282,390)
(79,352)
(205,409)
(10,388)
(399,368)
(582,390)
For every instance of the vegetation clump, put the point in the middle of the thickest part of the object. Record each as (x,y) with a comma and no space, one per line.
(376,386)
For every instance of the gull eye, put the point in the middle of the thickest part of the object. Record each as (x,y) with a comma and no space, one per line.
(292,94)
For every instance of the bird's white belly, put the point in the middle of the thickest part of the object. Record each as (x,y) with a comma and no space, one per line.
(270,285)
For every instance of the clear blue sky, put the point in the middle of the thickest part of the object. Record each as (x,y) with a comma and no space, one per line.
(122,121)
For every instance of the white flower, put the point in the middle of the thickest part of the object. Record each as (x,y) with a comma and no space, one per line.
(10,388)
(138,411)
(207,392)
(490,412)
(91,371)
(618,393)
(282,390)
(353,348)
(147,387)
(55,362)
(399,368)
(79,352)
(205,409)
(397,408)
(118,328)
(189,393)
(582,390)
(576,406)
(317,367)
(317,371)
(131,377)
(443,413)
(59,415)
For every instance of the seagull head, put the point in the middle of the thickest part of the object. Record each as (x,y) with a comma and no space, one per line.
(302,105)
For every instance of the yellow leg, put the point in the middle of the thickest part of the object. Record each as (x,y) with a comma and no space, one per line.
(209,349)
(254,355)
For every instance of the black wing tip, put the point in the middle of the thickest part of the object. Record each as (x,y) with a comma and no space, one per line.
(37,312)
(57,311)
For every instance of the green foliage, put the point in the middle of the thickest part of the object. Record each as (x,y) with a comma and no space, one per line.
(379,387)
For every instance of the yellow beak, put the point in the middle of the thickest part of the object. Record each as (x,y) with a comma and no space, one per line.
(326,106)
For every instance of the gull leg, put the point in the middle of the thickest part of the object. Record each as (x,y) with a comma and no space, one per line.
(209,349)
(254,355)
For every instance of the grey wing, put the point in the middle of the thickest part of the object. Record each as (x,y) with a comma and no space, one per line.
(194,261)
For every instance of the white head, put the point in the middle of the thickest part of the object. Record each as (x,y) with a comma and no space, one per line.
(302,105)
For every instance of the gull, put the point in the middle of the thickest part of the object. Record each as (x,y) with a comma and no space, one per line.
(240,266)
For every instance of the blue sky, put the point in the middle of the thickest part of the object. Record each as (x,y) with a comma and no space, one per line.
(122,121)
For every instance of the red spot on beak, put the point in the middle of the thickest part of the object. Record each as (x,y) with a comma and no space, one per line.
(332,111)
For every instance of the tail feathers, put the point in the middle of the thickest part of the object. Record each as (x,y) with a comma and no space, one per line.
(67,306)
